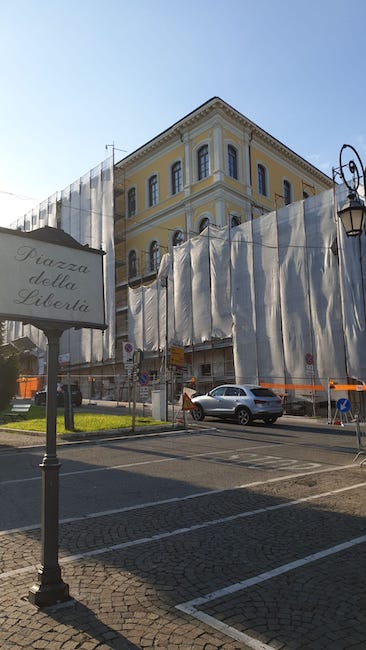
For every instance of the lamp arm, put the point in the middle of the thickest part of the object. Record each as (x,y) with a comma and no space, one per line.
(356,168)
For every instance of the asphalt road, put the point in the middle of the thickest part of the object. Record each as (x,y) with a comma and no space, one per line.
(252,537)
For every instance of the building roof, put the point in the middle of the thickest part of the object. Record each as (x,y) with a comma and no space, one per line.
(22,345)
(219,105)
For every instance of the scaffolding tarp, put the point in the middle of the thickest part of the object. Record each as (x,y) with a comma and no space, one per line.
(84,210)
(288,287)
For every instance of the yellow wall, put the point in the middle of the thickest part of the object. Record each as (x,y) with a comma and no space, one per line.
(185,209)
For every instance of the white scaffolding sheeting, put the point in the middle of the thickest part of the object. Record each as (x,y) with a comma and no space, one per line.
(86,211)
(283,286)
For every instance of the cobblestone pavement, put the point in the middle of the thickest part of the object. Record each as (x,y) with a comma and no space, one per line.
(278,565)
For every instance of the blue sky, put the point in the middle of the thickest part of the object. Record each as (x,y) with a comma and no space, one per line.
(79,74)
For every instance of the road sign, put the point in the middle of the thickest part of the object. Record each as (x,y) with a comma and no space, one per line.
(64,358)
(144,393)
(176,357)
(144,379)
(128,350)
(187,404)
(343,405)
(309,359)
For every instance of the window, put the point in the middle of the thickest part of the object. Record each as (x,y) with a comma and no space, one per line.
(153,190)
(132,264)
(177,179)
(232,391)
(262,180)
(178,238)
(203,162)
(287,194)
(205,369)
(232,156)
(204,223)
(217,392)
(234,221)
(154,256)
(131,202)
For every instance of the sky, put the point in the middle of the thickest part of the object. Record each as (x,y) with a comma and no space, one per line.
(77,75)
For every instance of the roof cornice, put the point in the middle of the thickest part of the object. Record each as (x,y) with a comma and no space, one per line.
(212,106)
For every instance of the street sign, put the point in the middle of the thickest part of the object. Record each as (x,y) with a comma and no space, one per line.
(144,393)
(187,404)
(176,357)
(128,350)
(343,405)
(51,280)
(144,379)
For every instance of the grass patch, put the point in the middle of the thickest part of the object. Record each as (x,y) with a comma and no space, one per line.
(36,421)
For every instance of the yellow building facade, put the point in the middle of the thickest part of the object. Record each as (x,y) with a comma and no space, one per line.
(214,166)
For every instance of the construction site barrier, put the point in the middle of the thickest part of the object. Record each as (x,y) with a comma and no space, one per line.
(285,387)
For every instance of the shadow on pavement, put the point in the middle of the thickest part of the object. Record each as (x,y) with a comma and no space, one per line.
(88,627)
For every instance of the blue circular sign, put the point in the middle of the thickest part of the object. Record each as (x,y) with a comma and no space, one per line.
(144,379)
(343,405)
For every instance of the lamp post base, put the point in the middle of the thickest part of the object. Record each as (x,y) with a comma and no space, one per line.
(49,592)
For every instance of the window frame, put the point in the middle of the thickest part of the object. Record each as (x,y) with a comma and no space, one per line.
(232,162)
(154,256)
(132,274)
(287,192)
(203,155)
(176,233)
(176,177)
(203,223)
(234,217)
(131,212)
(262,179)
(153,190)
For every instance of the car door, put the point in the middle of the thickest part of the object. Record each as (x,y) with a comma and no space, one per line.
(231,399)
(213,402)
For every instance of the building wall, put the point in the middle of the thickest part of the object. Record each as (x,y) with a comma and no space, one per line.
(218,197)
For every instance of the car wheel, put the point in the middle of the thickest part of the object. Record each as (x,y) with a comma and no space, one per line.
(270,420)
(244,416)
(198,413)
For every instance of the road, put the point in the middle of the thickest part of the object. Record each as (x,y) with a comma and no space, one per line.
(218,536)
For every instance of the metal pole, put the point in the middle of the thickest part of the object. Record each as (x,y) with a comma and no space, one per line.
(51,588)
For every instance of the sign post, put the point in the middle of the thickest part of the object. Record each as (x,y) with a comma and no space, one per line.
(51,588)
(53,282)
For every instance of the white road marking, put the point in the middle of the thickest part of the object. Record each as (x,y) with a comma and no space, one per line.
(226,629)
(168,459)
(187,497)
(190,607)
(187,530)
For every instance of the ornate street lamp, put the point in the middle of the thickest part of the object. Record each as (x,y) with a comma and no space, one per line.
(353,213)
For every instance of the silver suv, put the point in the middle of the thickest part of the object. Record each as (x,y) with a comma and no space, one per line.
(245,402)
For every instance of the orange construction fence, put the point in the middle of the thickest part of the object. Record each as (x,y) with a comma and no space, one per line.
(27,386)
(285,387)
(315,387)
(357,387)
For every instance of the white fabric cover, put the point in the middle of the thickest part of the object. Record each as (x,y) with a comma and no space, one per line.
(277,286)
(86,209)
